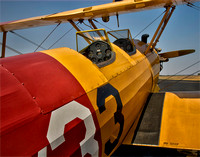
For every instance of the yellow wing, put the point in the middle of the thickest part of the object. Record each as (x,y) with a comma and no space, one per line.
(89,13)
(170,120)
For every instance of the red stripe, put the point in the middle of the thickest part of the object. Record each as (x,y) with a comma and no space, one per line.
(48,82)
(30,82)
(17,106)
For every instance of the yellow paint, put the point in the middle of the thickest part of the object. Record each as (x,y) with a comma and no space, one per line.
(93,12)
(138,56)
(133,76)
(153,62)
(156,88)
(89,76)
(180,127)
(130,75)
(122,63)
(133,82)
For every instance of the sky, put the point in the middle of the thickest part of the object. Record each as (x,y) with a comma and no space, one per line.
(182,31)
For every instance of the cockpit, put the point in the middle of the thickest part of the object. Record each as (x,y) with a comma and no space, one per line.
(96,46)
(123,39)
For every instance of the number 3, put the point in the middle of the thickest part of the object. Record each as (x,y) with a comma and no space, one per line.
(102,93)
(64,115)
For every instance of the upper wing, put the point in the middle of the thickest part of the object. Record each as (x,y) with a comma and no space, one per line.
(170,120)
(89,13)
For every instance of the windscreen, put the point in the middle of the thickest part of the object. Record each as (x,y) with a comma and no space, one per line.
(123,39)
(86,38)
(118,34)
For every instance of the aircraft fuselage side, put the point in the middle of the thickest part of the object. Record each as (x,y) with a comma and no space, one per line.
(57,102)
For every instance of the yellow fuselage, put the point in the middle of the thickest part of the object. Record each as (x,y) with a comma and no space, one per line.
(134,77)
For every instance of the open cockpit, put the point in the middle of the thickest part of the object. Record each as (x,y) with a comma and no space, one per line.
(123,39)
(95,45)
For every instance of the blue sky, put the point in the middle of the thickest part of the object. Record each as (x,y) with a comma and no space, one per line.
(182,31)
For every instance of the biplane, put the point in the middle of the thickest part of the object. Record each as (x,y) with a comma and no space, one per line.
(89,101)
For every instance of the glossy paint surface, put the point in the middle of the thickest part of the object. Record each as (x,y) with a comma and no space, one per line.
(69,93)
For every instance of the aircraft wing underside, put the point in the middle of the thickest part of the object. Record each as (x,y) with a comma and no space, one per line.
(169,120)
(99,11)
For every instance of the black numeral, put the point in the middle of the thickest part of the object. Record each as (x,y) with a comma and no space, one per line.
(102,93)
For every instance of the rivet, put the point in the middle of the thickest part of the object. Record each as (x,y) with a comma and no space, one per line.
(34,97)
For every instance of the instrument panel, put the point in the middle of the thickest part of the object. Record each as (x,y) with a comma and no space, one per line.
(98,52)
(126,45)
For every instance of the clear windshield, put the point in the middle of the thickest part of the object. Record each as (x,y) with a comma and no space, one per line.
(118,34)
(85,38)
(123,39)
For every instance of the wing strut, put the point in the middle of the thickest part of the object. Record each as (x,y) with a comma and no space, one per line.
(4,45)
(95,27)
(75,26)
(160,28)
